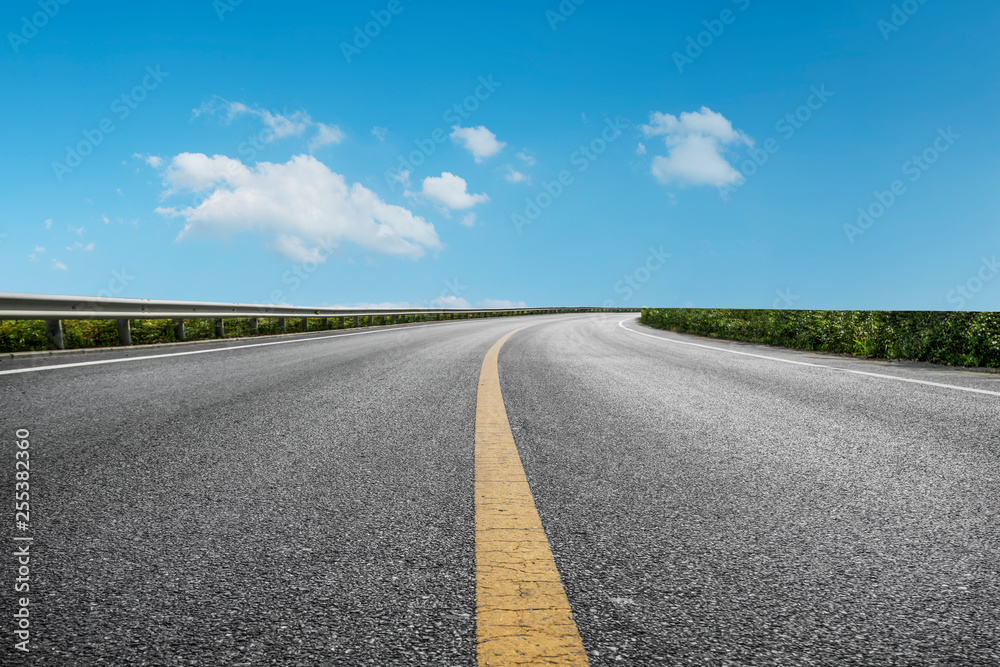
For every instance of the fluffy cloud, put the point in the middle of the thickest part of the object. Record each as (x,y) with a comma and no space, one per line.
(469,220)
(451,191)
(281,126)
(58,266)
(326,135)
(294,248)
(528,159)
(477,140)
(278,126)
(514,176)
(154,161)
(303,206)
(696,142)
(380,133)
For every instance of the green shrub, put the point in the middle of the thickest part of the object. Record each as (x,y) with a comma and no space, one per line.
(19,335)
(957,338)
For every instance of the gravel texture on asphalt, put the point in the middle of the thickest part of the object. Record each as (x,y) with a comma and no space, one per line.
(712,509)
(312,503)
(304,504)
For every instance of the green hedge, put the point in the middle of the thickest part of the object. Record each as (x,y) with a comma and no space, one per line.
(957,338)
(29,335)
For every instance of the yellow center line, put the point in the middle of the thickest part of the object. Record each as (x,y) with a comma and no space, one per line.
(522,614)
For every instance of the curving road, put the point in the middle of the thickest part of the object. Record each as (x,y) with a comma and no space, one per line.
(312,502)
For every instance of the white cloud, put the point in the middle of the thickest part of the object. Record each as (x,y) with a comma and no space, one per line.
(380,133)
(477,140)
(78,246)
(696,143)
(501,304)
(301,204)
(326,135)
(58,266)
(79,232)
(39,250)
(279,126)
(469,220)
(640,149)
(294,248)
(451,191)
(528,159)
(48,224)
(154,161)
(514,176)
(450,302)
(195,171)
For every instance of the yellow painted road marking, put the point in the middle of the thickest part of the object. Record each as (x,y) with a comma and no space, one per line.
(522,614)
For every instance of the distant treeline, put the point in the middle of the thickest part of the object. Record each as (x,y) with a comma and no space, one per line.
(957,338)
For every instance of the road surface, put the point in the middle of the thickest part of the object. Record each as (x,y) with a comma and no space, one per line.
(314,502)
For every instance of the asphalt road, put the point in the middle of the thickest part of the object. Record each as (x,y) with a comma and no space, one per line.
(312,503)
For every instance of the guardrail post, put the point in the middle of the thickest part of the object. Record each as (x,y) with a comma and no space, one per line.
(283,323)
(305,324)
(254,326)
(324,323)
(124,332)
(54,332)
(220,328)
(179,333)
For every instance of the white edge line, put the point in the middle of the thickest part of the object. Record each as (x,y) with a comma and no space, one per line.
(233,348)
(804,363)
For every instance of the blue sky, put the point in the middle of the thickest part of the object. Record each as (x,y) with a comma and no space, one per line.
(555,153)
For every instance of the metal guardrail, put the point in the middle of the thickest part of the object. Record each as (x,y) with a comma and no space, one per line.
(54,309)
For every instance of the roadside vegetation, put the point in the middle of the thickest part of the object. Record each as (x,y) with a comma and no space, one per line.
(955,338)
(29,335)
